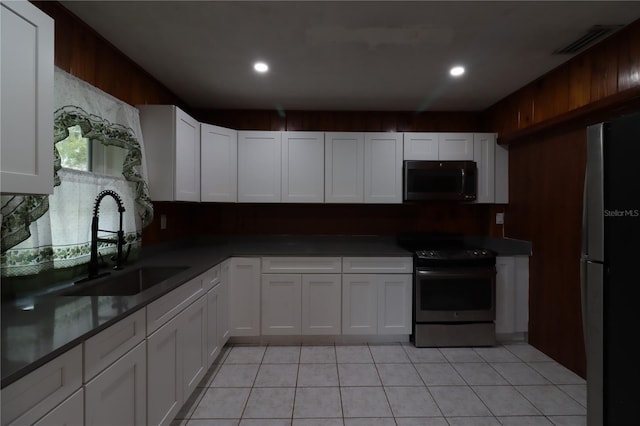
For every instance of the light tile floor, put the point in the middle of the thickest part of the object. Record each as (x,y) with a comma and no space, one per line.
(380,385)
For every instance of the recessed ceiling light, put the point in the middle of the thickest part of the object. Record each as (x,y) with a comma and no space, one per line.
(456,71)
(261,67)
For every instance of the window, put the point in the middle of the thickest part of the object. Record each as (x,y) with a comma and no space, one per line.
(74,150)
(78,153)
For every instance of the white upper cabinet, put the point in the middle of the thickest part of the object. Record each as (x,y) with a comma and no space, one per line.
(27,36)
(484,147)
(383,167)
(218,164)
(502,175)
(172,141)
(421,146)
(455,146)
(259,164)
(344,167)
(438,146)
(303,167)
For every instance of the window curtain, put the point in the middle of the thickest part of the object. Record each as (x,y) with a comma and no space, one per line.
(41,233)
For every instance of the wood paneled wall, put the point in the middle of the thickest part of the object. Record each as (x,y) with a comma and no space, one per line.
(598,83)
(545,207)
(80,51)
(343,121)
(315,219)
(544,124)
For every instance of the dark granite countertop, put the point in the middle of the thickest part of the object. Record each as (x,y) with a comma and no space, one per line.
(37,329)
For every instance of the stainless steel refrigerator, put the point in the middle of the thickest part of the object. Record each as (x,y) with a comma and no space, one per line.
(611,271)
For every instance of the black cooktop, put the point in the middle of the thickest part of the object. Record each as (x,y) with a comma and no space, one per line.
(444,249)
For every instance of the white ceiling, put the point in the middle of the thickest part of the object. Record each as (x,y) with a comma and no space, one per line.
(347,55)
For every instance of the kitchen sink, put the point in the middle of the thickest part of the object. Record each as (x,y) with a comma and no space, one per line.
(125,283)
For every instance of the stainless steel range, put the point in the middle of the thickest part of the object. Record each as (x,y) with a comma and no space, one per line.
(454,295)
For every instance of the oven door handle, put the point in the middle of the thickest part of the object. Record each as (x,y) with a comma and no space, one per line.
(431,273)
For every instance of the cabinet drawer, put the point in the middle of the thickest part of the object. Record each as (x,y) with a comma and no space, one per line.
(106,347)
(211,278)
(377,265)
(165,308)
(31,397)
(301,265)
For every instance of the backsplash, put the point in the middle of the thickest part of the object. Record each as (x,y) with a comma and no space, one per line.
(190,219)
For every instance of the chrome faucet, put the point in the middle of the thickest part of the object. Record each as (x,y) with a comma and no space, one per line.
(94,265)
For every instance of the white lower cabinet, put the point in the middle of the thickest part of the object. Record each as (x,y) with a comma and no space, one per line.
(321,302)
(193,335)
(394,303)
(69,413)
(244,296)
(307,304)
(281,304)
(117,396)
(376,304)
(380,302)
(36,394)
(359,304)
(224,331)
(512,294)
(301,295)
(177,362)
(164,377)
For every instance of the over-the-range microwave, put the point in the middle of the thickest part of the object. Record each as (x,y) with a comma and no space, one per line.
(440,180)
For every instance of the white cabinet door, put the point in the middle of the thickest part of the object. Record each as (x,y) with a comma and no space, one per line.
(281,304)
(505,295)
(26,50)
(164,379)
(259,164)
(359,304)
(187,152)
(244,296)
(344,167)
(223,304)
(421,146)
(69,413)
(394,303)
(117,396)
(303,167)
(172,142)
(502,175)
(383,167)
(321,307)
(193,335)
(484,147)
(213,337)
(455,146)
(218,164)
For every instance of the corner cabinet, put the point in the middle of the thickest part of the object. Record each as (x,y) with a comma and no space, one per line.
(27,45)
(218,164)
(172,142)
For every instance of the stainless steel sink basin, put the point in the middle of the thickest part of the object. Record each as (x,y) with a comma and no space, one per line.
(125,283)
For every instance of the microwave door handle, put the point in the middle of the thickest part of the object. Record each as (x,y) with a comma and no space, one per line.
(464,183)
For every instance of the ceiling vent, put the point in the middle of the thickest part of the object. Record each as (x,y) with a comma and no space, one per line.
(592,35)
